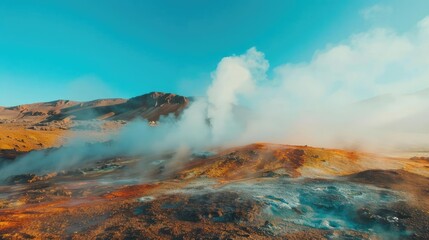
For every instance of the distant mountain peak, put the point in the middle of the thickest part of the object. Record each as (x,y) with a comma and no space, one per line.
(149,106)
(154,99)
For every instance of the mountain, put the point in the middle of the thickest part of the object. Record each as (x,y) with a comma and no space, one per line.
(148,106)
(48,124)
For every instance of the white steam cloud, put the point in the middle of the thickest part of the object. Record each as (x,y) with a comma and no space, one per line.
(372,92)
(234,76)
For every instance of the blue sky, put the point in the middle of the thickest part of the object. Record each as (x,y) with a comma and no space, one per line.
(84,50)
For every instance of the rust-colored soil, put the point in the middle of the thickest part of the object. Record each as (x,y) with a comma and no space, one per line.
(256,191)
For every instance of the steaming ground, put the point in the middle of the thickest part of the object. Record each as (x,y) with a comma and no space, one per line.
(319,204)
(186,176)
(260,191)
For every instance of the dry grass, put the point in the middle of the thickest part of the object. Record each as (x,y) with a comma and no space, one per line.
(23,140)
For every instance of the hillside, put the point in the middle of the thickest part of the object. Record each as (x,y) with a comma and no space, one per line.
(42,125)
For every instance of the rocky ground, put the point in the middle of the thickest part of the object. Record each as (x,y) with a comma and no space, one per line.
(257,191)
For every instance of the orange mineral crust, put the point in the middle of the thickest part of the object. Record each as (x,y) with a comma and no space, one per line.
(256,191)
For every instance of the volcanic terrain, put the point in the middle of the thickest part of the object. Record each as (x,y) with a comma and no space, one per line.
(256,191)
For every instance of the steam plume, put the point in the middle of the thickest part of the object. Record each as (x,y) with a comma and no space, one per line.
(372,92)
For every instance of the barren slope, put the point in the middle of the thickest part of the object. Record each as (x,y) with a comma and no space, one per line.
(44,125)
(257,191)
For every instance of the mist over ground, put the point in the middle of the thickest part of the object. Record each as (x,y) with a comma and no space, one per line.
(370,92)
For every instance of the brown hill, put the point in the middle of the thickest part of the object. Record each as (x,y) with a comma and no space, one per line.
(148,106)
(40,125)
